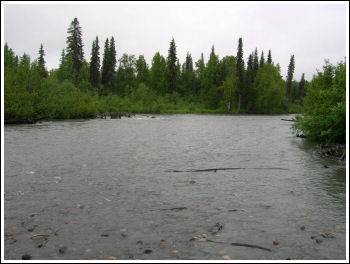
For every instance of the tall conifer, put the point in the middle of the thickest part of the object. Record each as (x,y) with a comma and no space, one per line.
(269,58)
(95,64)
(75,46)
(290,78)
(41,62)
(240,72)
(262,59)
(171,65)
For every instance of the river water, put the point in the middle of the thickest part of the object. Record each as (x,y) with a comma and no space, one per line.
(127,189)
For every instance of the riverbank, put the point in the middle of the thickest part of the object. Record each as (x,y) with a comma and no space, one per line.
(333,151)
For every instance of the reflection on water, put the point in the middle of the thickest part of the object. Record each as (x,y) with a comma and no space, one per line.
(105,188)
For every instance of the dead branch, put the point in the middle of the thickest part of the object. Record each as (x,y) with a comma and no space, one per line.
(39,235)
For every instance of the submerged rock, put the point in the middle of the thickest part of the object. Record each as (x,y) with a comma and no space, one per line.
(26,257)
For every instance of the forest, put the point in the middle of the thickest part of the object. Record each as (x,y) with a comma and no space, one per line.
(84,89)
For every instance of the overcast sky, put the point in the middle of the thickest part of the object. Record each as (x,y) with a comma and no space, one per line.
(311,32)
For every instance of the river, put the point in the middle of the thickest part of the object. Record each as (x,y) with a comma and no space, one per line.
(127,189)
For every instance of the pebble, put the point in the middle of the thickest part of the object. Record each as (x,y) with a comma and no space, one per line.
(104,235)
(276,242)
(175,251)
(26,257)
(302,227)
(111,258)
(226,257)
(222,252)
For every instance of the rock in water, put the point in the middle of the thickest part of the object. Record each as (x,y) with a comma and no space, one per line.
(26,257)
(217,228)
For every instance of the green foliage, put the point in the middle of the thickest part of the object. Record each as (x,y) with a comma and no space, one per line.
(158,71)
(324,106)
(142,71)
(80,89)
(269,89)
(125,76)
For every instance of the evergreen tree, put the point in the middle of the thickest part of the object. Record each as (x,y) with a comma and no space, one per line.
(10,59)
(290,78)
(199,74)
(255,62)
(240,72)
(171,65)
(249,80)
(262,60)
(188,75)
(65,70)
(41,62)
(112,61)
(75,46)
(269,58)
(209,94)
(301,88)
(105,67)
(95,64)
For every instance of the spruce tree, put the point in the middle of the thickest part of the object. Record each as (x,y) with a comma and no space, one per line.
(41,62)
(249,80)
(171,65)
(95,64)
(262,59)
(255,62)
(269,58)
(188,75)
(240,72)
(105,67)
(75,46)
(112,61)
(301,88)
(290,78)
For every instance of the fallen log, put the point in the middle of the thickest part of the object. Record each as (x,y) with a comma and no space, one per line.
(291,120)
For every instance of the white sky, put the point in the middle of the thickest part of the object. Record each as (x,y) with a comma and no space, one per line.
(312,32)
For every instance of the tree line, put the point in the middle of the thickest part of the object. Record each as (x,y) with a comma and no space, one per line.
(79,88)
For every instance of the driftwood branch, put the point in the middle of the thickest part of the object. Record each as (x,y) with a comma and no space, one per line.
(291,120)
(173,209)
(240,244)
(249,245)
(39,235)
(218,169)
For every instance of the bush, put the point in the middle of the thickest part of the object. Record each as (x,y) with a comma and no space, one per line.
(324,109)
